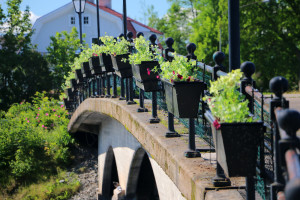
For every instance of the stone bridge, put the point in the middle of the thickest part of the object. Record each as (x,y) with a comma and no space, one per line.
(138,156)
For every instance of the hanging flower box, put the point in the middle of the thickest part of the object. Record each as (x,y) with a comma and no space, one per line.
(85,69)
(122,69)
(105,61)
(73,84)
(70,94)
(145,77)
(78,76)
(236,145)
(95,67)
(183,97)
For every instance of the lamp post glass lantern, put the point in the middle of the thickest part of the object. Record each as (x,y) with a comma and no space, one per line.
(79,6)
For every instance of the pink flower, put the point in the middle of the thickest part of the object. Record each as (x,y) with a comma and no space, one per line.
(37,117)
(148,71)
(47,114)
(58,116)
(53,110)
(172,81)
(28,121)
(179,76)
(55,114)
(39,121)
(94,54)
(217,125)
(157,76)
(39,108)
(62,106)
(38,114)
(173,72)
(43,125)
(26,118)
(21,103)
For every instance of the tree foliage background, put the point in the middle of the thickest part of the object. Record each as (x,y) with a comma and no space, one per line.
(270,33)
(23,71)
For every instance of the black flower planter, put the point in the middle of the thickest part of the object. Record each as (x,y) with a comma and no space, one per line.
(85,69)
(236,146)
(183,97)
(79,76)
(73,84)
(145,81)
(95,66)
(68,104)
(70,94)
(122,69)
(105,61)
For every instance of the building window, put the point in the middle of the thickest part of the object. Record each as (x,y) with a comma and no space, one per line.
(72,20)
(85,20)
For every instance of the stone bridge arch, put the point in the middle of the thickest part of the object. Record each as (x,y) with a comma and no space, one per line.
(127,136)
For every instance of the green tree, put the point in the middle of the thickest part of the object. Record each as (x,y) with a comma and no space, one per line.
(175,24)
(22,70)
(61,53)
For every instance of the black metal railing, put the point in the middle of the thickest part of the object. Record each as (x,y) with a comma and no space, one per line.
(278,164)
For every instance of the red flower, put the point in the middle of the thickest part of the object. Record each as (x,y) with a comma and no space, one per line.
(157,76)
(179,76)
(148,71)
(188,79)
(173,72)
(171,80)
(217,125)
(94,54)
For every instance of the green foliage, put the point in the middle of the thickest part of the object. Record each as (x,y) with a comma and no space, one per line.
(34,139)
(143,52)
(61,53)
(22,70)
(227,104)
(52,188)
(180,69)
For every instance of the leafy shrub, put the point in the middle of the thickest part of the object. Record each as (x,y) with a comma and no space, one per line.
(33,139)
(227,104)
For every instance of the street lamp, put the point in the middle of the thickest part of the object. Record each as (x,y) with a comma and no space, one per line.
(79,6)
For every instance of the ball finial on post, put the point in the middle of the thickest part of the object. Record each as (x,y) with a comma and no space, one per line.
(191,48)
(152,39)
(139,34)
(278,85)
(130,36)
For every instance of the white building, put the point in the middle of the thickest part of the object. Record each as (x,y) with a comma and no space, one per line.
(64,18)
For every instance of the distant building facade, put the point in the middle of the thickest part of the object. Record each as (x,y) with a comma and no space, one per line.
(65,18)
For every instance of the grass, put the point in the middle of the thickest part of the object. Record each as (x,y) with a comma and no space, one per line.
(62,186)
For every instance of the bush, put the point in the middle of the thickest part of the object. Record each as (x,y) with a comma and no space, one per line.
(34,140)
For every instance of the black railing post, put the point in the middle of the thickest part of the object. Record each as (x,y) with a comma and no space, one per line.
(107,86)
(288,120)
(115,93)
(142,106)
(98,86)
(171,130)
(278,85)
(130,79)
(192,152)
(154,118)
(218,58)
(248,68)
(122,95)
(103,86)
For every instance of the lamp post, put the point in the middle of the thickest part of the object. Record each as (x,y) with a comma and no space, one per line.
(79,6)
(98,22)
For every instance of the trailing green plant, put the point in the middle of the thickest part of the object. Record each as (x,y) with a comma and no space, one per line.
(227,104)
(180,69)
(34,139)
(143,52)
(120,47)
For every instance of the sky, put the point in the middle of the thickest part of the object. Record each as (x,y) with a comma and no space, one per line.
(135,8)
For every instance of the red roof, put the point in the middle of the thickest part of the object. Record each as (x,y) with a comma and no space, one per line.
(130,26)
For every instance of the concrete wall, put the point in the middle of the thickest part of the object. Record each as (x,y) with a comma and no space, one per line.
(113,133)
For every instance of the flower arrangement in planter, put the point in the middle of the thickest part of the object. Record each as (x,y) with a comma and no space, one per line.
(182,88)
(143,62)
(119,56)
(104,52)
(94,60)
(236,134)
